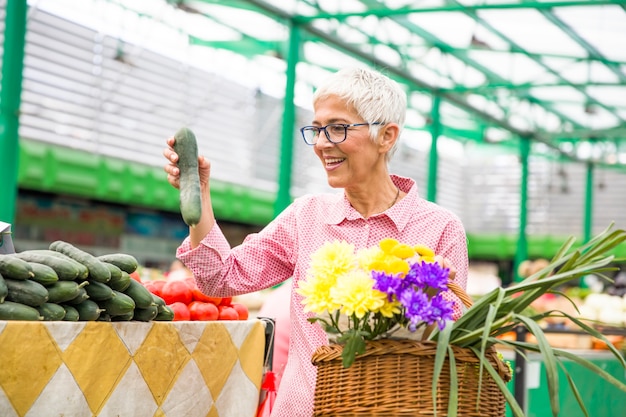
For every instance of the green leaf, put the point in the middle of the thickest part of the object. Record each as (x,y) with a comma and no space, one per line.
(508,395)
(574,389)
(453,398)
(549,361)
(354,345)
(440,358)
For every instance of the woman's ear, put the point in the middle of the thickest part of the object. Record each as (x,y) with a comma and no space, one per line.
(388,136)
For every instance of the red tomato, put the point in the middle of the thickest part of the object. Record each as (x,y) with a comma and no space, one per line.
(154,287)
(242,310)
(135,275)
(200,311)
(181,311)
(226,301)
(174,291)
(227,313)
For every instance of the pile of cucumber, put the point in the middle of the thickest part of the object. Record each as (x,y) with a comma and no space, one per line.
(66,283)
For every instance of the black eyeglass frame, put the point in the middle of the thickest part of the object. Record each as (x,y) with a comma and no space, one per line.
(320,128)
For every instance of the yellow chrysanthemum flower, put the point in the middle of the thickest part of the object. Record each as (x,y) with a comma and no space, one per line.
(424,251)
(388,309)
(332,259)
(387,244)
(316,293)
(402,250)
(355,293)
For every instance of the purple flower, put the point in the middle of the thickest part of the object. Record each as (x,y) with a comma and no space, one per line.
(387,283)
(438,311)
(423,274)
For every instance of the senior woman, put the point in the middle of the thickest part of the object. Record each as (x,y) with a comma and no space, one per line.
(359,115)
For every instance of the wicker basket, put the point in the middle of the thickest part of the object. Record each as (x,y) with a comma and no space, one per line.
(394,378)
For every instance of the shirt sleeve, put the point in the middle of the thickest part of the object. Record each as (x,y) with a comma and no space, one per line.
(263,260)
(453,246)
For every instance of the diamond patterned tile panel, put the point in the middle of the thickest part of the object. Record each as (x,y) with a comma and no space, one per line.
(155,369)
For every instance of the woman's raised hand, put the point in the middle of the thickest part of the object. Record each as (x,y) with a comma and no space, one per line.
(173,173)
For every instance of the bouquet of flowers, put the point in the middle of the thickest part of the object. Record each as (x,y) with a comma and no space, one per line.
(378,292)
(375,292)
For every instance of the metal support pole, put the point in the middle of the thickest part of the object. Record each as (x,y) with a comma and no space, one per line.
(10,100)
(521,253)
(283,199)
(433,162)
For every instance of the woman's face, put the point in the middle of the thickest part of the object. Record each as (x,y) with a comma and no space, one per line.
(353,161)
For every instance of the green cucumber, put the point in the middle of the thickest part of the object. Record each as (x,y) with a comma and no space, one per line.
(140,294)
(118,305)
(66,268)
(146,314)
(124,317)
(98,291)
(160,302)
(121,283)
(123,261)
(63,291)
(51,311)
(81,297)
(186,147)
(15,268)
(27,292)
(104,316)
(165,314)
(4,290)
(88,310)
(10,310)
(43,274)
(71,313)
(97,270)
(116,272)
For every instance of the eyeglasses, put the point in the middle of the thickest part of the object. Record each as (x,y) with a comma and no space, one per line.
(335,132)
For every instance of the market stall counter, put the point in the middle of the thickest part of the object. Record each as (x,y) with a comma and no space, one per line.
(134,369)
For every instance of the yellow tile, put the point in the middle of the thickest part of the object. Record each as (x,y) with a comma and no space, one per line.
(29,359)
(215,354)
(160,358)
(251,354)
(98,359)
(213,412)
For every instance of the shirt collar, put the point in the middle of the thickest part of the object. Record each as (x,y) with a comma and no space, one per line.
(400,214)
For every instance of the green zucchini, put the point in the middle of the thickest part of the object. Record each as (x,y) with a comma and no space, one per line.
(88,310)
(15,268)
(122,283)
(3,289)
(97,270)
(51,311)
(71,313)
(98,291)
(118,305)
(186,147)
(43,274)
(27,292)
(66,268)
(146,314)
(63,291)
(140,294)
(10,310)
(123,261)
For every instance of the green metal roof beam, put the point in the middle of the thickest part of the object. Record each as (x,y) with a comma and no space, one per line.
(539,61)
(247,46)
(385,12)
(591,50)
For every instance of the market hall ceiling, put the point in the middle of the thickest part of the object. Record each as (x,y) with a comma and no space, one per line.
(484,71)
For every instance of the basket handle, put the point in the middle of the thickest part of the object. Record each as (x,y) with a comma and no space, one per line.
(460,292)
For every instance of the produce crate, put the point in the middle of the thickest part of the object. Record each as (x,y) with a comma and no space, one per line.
(131,368)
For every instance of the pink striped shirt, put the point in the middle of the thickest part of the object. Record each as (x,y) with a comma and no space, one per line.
(283,248)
